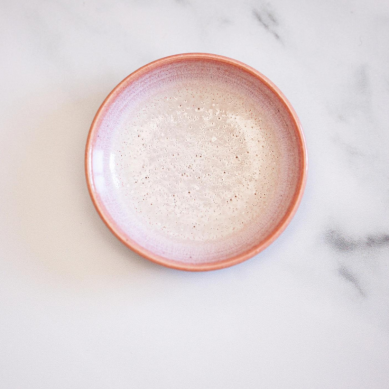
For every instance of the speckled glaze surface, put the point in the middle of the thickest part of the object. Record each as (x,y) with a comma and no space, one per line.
(196,162)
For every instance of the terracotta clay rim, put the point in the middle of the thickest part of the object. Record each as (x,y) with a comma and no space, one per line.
(113,226)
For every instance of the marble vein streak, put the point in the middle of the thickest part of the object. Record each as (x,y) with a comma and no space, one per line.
(342,243)
(268,21)
(346,274)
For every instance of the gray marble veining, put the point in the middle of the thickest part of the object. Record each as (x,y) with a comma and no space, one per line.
(268,21)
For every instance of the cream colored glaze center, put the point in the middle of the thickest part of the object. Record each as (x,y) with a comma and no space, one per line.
(196,163)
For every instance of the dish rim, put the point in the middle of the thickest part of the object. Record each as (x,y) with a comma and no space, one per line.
(133,245)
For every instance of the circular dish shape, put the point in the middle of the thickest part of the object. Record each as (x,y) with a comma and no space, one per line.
(196,162)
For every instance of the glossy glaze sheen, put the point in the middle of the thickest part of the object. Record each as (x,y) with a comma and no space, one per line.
(240,228)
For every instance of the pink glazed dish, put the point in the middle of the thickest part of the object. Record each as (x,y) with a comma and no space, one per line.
(196,162)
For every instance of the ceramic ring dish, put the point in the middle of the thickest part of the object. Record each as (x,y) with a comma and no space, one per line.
(196,162)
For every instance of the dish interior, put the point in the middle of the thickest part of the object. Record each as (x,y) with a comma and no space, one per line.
(195,161)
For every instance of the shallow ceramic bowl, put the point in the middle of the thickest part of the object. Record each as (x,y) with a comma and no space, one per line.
(196,162)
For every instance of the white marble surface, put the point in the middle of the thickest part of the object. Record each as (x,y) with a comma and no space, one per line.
(80,310)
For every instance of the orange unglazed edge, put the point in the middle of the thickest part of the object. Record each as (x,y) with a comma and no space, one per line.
(116,230)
